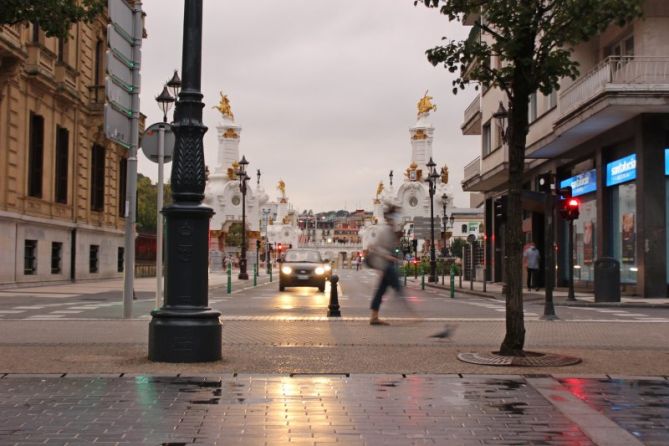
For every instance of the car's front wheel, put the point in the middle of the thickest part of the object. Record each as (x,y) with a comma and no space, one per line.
(321,287)
(282,287)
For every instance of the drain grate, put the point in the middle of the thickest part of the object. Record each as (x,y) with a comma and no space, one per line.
(531,359)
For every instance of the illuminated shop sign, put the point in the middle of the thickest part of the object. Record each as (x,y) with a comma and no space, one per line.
(581,184)
(621,171)
(666,161)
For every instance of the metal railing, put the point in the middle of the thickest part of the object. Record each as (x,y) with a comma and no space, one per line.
(617,73)
(473,168)
(473,109)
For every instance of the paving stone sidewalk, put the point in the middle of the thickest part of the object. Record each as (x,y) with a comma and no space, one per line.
(344,409)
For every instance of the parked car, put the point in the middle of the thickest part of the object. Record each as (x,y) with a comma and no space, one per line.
(303,267)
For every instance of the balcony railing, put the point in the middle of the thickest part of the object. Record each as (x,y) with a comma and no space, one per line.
(96,94)
(473,168)
(473,109)
(617,73)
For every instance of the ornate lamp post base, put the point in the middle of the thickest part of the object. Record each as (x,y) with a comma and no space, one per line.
(186,329)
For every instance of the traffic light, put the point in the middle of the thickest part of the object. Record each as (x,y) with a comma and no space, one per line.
(545,182)
(500,208)
(279,247)
(258,244)
(569,209)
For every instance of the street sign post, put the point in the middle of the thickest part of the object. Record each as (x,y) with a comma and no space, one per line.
(121,114)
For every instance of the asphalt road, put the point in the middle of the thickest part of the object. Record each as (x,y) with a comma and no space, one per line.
(265,301)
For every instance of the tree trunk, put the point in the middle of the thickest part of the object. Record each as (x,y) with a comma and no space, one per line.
(514,341)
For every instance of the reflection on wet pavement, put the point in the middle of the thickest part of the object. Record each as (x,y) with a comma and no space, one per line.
(640,406)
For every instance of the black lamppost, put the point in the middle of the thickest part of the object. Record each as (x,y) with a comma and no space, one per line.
(185,328)
(448,222)
(243,178)
(390,177)
(432,182)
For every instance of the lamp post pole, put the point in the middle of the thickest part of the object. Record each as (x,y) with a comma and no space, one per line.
(432,186)
(185,328)
(243,178)
(444,203)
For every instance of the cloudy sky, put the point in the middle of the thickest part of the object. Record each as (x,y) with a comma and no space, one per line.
(325,91)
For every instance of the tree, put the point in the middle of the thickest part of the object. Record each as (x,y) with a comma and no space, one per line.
(147,203)
(53,16)
(533,41)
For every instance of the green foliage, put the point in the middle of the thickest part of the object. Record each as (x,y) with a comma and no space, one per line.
(234,236)
(457,247)
(147,203)
(53,16)
(531,38)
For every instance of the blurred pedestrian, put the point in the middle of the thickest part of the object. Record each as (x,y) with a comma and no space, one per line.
(382,259)
(532,257)
(358,260)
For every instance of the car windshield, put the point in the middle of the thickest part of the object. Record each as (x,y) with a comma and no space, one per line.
(303,256)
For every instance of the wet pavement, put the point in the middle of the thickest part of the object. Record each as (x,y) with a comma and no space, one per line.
(324,409)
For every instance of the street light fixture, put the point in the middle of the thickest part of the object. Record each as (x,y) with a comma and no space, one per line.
(243,178)
(165,101)
(502,116)
(390,176)
(174,84)
(432,178)
(185,328)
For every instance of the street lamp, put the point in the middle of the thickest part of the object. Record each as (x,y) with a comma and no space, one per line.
(502,116)
(185,328)
(165,101)
(243,178)
(390,177)
(265,214)
(432,178)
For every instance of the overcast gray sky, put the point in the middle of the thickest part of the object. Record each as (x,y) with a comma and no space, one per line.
(325,91)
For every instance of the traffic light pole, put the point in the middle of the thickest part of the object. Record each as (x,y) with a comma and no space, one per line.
(549,253)
(570,293)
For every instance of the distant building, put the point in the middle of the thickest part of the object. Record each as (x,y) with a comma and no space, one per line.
(62,183)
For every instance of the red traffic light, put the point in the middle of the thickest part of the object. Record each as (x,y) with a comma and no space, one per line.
(573,203)
(569,209)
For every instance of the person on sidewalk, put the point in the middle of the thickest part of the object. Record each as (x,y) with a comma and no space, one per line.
(380,257)
(532,257)
(358,260)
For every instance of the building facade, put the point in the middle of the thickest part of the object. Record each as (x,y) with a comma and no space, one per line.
(62,183)
(606,135)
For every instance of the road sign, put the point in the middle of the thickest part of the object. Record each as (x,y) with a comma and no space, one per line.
(150,142)
(117,126)
(423,229)
(119,70)
(117,95)
(122,14)
(120,41)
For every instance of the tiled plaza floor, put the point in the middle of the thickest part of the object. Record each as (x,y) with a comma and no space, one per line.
(308,410)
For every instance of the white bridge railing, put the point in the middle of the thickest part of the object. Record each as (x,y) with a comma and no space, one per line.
(618,73)
(332,246)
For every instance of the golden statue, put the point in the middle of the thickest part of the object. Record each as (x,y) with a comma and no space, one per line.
(425,104)
(379,189)
(224,106)
(282,187)
(232,171)
(444,174)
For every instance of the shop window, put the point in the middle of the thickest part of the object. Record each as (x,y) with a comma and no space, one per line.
(623,230)
(30,257)
(532,108)
(93,258)
(97,178)
(62,155)
(36,156)
(56,257)
(119,259)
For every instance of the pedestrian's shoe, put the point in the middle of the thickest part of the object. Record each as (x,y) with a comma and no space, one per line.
(377,321)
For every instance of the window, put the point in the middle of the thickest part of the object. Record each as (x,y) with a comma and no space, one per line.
(122,178)
(36,156)
(99,54)
(30,257)
(552,100)
(623,47)
(35,35)
(119,259)
(532,109)
(464,228)
(486,139)
(93,258)
(56,257)
(98,178)
(62,143)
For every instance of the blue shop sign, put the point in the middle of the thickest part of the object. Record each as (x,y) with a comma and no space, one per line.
(621,171)
(666,161)
(581,184)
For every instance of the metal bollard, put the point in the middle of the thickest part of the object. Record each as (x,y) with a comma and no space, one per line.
(333,308)
(269,271)
(229,278)
(255,275)
(422,279)
(406,271)
(452,281)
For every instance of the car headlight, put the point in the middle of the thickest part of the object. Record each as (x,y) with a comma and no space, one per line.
(327,267)
(320,271)
(287,270)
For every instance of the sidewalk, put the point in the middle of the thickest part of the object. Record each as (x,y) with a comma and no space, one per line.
(583,299)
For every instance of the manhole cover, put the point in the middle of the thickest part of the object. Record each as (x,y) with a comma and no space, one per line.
(531,359)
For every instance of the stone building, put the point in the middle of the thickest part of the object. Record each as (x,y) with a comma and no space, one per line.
(62,183)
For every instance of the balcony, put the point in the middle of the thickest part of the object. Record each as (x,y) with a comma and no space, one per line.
(96,97)
(615,91)
(472,122)
(473,169)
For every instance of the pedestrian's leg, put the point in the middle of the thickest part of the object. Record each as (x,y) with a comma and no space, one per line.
(376,301)
(529,279)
